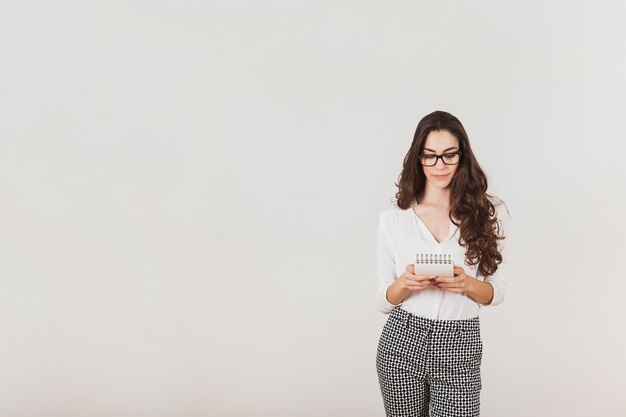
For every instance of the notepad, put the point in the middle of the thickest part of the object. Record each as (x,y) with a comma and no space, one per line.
(439,264)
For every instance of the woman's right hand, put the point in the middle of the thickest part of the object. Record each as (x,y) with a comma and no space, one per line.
(413,282)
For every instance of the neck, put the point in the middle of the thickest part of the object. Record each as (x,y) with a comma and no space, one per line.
(434,196)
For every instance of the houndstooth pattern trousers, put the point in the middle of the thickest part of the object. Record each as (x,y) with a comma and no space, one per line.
(429,367)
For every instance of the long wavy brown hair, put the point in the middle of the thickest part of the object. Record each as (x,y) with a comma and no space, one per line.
(469,201)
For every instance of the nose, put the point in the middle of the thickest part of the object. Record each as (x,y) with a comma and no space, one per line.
(440,161)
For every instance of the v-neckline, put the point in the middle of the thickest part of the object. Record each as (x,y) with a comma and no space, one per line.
(420,222)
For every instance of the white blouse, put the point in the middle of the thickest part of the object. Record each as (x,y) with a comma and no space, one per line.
(402,234)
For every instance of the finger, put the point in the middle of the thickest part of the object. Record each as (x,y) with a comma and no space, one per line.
(410,268)
(448,286)
(456,290)
(448,289)
(418,278)
(424,278)
(418,285)
(445,279)
(411,276)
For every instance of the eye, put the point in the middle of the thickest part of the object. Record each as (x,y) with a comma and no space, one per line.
(429,157)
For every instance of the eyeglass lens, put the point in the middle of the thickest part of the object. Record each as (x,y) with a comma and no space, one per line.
(448,159)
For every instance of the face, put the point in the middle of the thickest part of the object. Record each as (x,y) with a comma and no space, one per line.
(439,143)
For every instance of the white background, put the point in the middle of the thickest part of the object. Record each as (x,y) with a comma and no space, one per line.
(190,193)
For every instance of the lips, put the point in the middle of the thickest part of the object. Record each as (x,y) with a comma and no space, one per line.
(440,177)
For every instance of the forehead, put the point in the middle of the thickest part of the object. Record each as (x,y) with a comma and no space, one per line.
(440,140)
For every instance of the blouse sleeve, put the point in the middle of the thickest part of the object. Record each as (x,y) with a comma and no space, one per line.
(385,267)
(499,279)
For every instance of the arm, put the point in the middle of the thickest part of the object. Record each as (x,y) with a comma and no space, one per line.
(492,291)
(479,291)
(396,294)
(388,295)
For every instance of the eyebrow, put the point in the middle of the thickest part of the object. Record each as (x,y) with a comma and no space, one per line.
(445,150)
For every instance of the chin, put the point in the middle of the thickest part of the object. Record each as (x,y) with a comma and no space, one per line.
(440,184)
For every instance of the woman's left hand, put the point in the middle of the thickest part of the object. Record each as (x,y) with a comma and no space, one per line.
(459,283)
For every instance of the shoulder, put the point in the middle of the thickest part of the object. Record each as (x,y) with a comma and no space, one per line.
(502,212)
(392,213)
(391,210)
(503,217)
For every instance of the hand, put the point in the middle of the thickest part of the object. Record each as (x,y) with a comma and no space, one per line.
(460,283)
(414,282)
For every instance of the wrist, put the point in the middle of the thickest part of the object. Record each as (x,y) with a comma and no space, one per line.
(470,286)
(396,292)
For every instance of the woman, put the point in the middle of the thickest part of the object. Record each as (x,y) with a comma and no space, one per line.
(430,350)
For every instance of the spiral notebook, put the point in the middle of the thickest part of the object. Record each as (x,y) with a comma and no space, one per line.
(439,264)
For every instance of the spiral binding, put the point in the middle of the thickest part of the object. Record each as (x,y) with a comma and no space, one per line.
(433,258)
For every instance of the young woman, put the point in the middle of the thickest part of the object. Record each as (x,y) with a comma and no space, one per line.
(430,350)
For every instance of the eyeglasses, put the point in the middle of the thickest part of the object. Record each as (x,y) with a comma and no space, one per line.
(430,160)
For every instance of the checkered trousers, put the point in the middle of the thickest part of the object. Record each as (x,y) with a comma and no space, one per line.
(429,366)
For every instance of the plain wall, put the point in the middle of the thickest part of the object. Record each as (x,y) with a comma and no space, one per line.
(190,193)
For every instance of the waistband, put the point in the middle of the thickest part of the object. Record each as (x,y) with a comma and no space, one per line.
(403,316)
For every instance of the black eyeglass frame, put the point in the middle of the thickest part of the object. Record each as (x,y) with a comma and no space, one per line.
(420,157)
